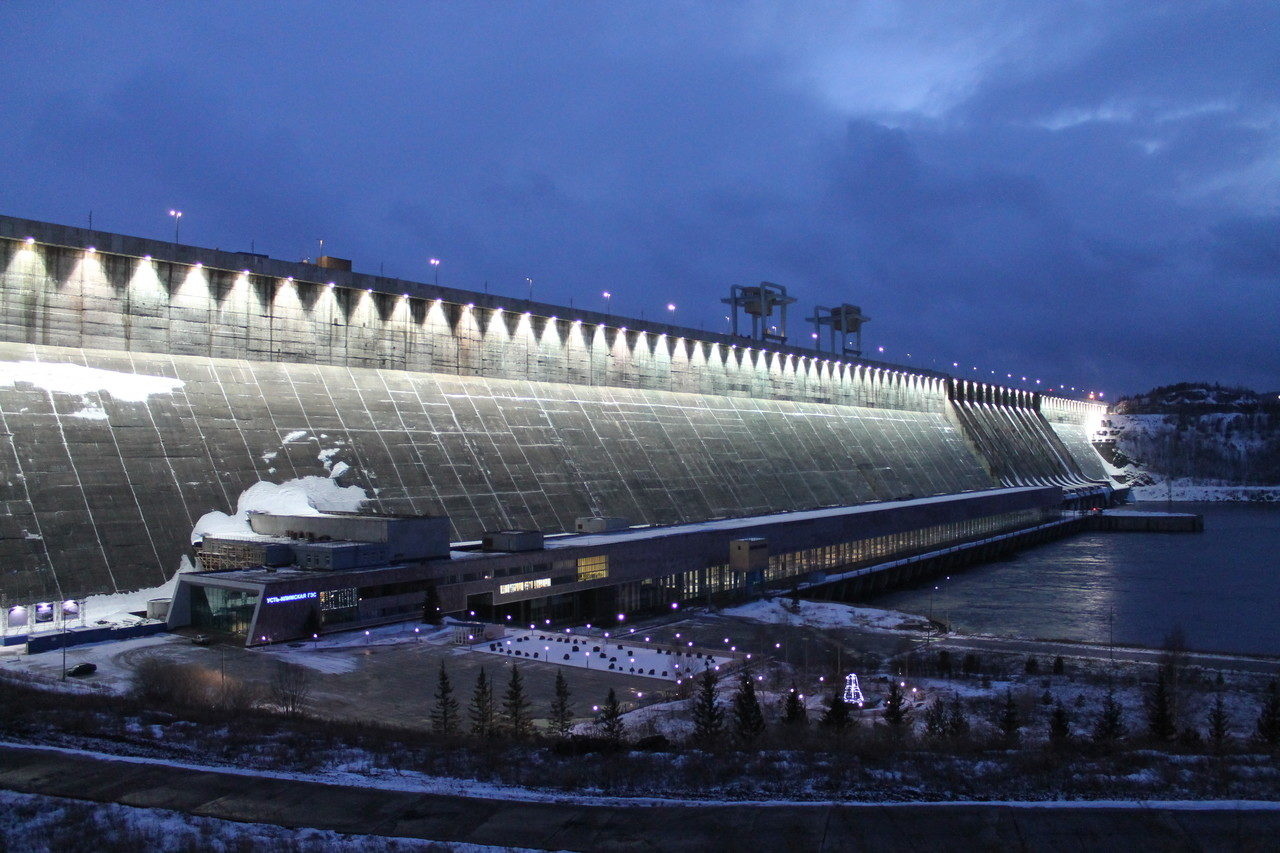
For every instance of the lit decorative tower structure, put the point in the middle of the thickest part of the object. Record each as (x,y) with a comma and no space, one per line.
(759,302)
(845,324)
(852,692)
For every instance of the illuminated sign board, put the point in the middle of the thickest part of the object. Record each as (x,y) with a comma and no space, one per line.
(295,596)
(524,586)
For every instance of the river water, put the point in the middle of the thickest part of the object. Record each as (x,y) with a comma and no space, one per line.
(1222,586)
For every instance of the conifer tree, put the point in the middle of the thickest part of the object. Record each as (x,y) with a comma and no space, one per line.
(515,706)
(561,715)
(444,715)
(935,720)
(1219,724)
(1109,727)
(748,720)
(836,715)
(1268,725)
(793,710)
(708,717)
(1010,722)
(482,712)
(895,710)
(957,722)
(610,722)
(1160,718)
(1059,726)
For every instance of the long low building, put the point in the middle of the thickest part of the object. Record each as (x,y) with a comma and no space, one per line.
(607,577)
(148,387)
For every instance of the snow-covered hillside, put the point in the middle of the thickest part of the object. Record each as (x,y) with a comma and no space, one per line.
(1196,442)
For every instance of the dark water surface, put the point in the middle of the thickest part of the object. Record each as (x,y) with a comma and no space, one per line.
(1222,586)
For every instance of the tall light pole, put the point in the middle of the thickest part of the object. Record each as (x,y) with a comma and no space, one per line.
(435,266)
(607,296)
(177,222)
(671,312)
(529,282)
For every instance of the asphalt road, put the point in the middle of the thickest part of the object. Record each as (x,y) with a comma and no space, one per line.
(569,826)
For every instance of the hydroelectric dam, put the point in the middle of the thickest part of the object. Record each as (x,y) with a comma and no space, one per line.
(164,405)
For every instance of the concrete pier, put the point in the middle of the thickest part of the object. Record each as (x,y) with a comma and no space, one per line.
(1146,522)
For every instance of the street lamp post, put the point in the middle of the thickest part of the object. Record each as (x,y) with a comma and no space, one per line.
(607,296)
(529,282)
(435,267)
(177,222)
(671,312)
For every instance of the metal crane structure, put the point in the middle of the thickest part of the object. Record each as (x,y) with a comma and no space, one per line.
(845,325)
(759,302)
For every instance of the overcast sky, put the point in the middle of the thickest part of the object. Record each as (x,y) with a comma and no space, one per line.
(1086,193)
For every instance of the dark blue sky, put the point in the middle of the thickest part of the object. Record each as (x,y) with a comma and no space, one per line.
(1086,193)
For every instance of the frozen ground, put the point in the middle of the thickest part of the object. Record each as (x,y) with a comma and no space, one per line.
(35,823)
(825,614)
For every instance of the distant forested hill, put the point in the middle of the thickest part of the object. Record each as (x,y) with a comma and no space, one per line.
(1196,434)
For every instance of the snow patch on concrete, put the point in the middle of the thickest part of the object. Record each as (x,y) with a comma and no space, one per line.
(823,614)
(79,380)
(90,413)
(296,435)
(303,496)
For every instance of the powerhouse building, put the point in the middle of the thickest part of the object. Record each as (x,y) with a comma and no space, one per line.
(463,451)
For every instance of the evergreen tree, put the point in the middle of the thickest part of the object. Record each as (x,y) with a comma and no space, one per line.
(1109,727)
(895,710)
(1010,722)
(609,720)
(708,717)
(944,663)
(444,716)
(1269,717)
(561,715)
(748,721)
(1032,666)
(1059,665)
(957,722)
(1219,724)
(1059,727)
(482,712)
(793,710)
(1160,716)
(515,706)
(935,721)
(836,715)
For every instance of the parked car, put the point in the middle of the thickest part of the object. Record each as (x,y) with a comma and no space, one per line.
(202,639)
(82,669)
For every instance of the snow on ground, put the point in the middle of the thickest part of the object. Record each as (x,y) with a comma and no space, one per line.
(408,780)
(112,674)
(304,496)
(333,654)
(670,663)
(28,822)
(1188,490)
(824,614)
(79,380)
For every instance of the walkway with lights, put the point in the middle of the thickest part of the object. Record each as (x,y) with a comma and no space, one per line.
(149,783)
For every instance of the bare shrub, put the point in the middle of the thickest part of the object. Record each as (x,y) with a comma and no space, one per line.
(164,683)
(291,687)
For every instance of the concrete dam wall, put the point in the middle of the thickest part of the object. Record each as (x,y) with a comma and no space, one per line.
(143,385)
